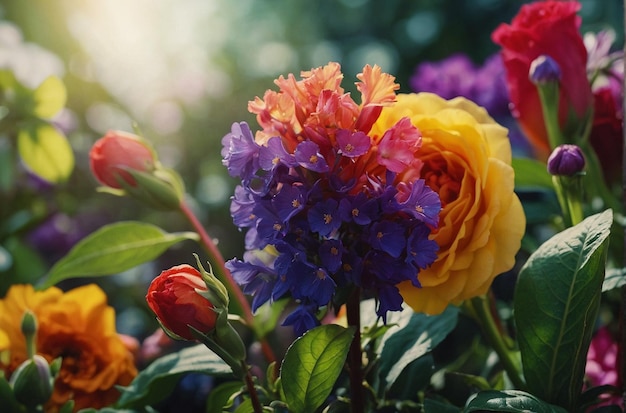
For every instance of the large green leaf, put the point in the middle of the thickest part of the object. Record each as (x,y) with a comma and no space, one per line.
(114,248)
(411,339)
(45,151)
(312,364)
(509,401)
(556,304)
(156,382)
(49,97)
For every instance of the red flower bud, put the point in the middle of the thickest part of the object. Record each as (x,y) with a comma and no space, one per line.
(117,151)
(174,296)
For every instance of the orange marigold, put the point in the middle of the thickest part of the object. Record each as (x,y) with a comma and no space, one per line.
(78,326)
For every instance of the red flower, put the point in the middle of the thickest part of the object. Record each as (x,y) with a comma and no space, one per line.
(115,152)
(174,297)
(545,28)
(606,134)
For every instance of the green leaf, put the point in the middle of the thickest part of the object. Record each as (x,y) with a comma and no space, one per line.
(509,401)
(312,364)
(556,303)
(156,382)
(267,315)
(437,406)
(45,151)
(25,267)
(531,173)
(220,397)
(412,339)
(50,97)
(114,248)
(8,401)
(614,278)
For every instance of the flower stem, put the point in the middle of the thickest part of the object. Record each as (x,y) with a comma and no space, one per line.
(353,312)
(224,274)
(254,397)
(482,312)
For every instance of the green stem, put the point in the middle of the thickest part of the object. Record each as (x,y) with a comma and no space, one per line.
(483,314)
(219,265)
(549,97)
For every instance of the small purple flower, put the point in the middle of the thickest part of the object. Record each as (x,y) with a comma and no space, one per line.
(389,299)
(359,209)
(289,201)
(317,286)
(242,208)
(240,151)
(256,278)
(324,217)
(352,144)
(544,69)
(302,319)
(423,203)
(389,237)
(275,153)
(420,250)
(309,157)
(566,160)
(330,253)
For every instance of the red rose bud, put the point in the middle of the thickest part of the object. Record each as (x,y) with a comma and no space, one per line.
(566,160)
(127,165)
(114,155)
(544,69)
(176,297)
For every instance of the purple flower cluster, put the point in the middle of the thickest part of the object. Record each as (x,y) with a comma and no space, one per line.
(457,75)
(312,230)
(483,84)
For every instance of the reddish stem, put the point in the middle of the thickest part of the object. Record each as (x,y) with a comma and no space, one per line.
(219,266)
(254,396)
(355,355)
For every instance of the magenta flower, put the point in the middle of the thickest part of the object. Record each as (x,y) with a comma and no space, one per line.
(602,366)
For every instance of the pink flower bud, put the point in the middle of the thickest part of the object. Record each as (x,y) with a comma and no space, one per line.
(175,297)
(116,152)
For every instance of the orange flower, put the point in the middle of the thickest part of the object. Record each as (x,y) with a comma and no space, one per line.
(467,160)
(317,105)
(78,326)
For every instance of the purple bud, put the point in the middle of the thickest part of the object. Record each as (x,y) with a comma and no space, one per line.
(544,69)
(566,160)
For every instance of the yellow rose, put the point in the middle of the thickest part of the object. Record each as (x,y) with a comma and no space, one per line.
(467,160)
(77,325)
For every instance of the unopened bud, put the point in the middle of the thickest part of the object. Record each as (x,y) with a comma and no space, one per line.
(567,160)
(544,69)
(32,382)
(29,329)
